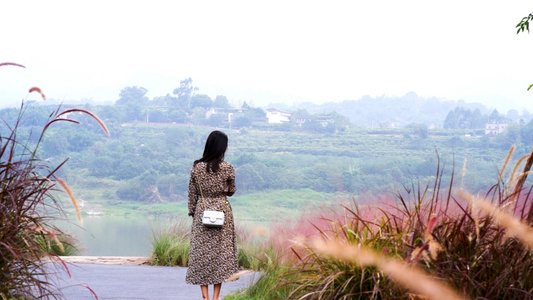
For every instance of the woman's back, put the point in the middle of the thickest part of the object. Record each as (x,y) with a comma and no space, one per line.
(214,184)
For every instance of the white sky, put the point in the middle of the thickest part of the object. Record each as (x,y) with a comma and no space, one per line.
(269,51)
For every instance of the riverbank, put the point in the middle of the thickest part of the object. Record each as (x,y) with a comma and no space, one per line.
(107,260)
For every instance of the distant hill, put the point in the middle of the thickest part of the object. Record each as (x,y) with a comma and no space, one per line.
(390,111)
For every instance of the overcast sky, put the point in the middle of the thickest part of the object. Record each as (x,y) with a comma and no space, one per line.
(269,51)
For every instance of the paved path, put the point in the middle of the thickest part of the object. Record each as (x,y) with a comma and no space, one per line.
(112,281)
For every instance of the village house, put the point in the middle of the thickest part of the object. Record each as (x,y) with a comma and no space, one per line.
(275,116)
(325,120)
(216,111)
(495,128)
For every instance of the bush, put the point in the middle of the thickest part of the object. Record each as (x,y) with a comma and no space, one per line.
(170,247)
(431,242)
(27,207)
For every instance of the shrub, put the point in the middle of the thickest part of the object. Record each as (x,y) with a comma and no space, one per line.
(170,246)
(435,242)
(27,207)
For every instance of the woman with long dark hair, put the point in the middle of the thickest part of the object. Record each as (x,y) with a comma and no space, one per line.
(212,254)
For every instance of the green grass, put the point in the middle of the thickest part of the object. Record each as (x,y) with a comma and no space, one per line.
(67,246)
(264,206)
(170,244)
(276,205)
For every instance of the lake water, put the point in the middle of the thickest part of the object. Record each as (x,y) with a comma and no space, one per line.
(126,235)
(114,235)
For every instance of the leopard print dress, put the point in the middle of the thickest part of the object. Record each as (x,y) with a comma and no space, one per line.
(213,253)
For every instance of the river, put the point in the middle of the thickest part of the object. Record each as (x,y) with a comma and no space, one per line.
(113,235)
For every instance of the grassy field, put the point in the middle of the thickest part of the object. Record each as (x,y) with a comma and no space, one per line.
(264,206)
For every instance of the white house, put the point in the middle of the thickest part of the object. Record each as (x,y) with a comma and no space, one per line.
(275,116)
(494,128)
(227,111)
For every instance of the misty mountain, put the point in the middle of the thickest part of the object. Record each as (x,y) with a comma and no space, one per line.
(390,111)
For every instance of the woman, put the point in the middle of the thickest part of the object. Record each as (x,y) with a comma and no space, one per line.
(212,254)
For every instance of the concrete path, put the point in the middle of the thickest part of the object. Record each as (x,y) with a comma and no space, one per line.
(112,281)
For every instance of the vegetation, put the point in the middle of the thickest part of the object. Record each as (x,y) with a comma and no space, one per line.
(522,26)
(433,241)
(144,167)
(61,244)
(170,246)
(28,206)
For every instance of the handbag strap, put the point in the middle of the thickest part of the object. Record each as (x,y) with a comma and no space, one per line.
(200,188)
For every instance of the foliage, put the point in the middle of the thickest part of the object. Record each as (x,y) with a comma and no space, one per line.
(522,26)
(27,209)
(28,206)
(465,119)
(184,93)
(170,247)
(62,245)
(432,236)
(355,160)
(524,23)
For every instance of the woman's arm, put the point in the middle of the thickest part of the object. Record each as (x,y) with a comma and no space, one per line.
(193,194)
(231,182)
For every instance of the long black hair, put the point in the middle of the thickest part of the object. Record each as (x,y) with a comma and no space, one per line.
(215,148)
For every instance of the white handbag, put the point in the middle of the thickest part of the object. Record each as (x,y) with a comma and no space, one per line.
(213,218)
(210,218)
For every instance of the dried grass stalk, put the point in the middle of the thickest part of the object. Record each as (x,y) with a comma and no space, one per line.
(85,112)
(523,177)
(11,64)
(506,162)
(402,273)
(513,225)
(38,90)
(71,196)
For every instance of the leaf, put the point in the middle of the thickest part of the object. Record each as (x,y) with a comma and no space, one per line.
(531,86)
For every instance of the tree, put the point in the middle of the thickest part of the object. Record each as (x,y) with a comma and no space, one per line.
(221,102)
(452,119)
(240,120)
(527,133)
(217,120)
(185,92)
(167,100)
(478,120)
(177,115)
(132,95)
(513,115)
(201,101)
(522,26)
(198,115)
(494,116)
(132,98)
(419,129)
